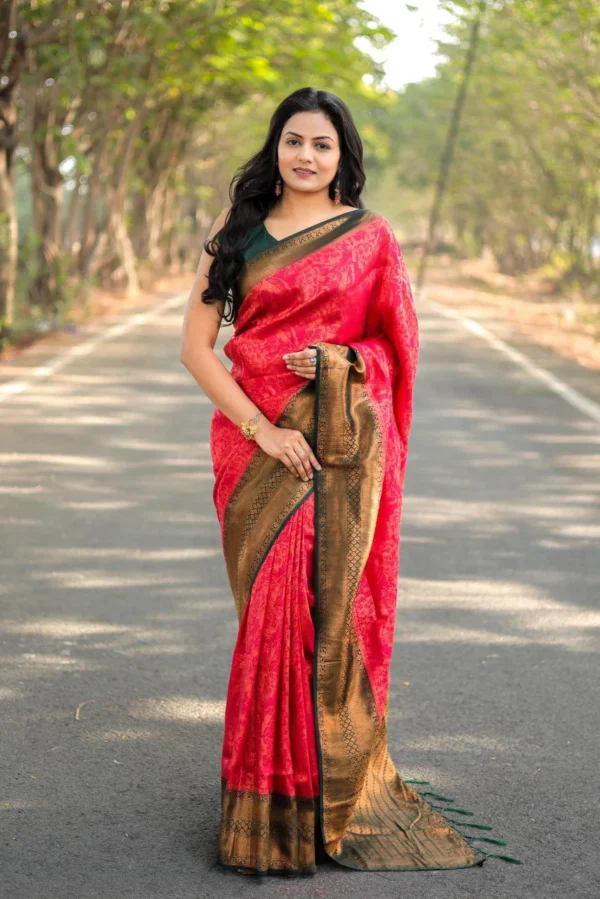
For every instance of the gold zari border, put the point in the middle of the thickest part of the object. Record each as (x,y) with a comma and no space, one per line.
(267,832)
(371,819)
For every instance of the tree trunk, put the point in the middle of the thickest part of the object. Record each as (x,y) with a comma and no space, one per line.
(12,56)
(168,229)
(148,203)
(47,191)
(117,243)
(69,240)
(448,152)
(9,230)
(155,220)
(88,238)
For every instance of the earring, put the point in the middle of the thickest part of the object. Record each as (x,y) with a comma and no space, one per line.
(337,194)
(278,187)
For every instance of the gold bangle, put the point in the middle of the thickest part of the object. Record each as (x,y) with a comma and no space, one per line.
(250,427)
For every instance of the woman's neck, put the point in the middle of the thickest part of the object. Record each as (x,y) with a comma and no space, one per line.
(298,208)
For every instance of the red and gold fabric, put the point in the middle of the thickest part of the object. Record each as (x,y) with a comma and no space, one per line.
(313,565)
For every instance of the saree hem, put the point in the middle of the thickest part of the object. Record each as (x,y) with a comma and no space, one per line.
(268,872)
(267,831)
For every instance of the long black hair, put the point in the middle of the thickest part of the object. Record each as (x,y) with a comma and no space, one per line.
(252,190)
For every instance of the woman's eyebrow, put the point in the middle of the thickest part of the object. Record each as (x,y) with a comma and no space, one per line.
(295,133)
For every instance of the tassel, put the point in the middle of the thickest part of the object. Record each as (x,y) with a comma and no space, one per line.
(469,838)
(458,811)
(488,840)
(505,858)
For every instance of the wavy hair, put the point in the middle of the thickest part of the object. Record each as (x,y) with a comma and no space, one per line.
(252,190)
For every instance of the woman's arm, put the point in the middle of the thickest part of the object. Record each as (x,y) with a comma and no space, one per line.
(201,325)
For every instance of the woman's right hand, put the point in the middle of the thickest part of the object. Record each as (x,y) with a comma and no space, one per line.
(289,446)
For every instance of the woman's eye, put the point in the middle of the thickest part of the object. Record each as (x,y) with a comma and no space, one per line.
(293,140)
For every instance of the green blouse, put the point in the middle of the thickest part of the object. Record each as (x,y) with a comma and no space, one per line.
(259,239)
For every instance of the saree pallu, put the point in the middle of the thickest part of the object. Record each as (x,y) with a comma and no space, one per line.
(313,565)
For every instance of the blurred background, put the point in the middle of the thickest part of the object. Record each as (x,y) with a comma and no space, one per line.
(123,122)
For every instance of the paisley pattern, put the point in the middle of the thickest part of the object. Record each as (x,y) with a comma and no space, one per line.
(313,565)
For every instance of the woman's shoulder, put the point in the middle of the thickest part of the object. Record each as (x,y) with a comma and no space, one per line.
(382,226)
(219,221)
(384,241)
(383,222)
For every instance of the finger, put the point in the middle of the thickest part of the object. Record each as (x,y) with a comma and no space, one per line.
(295,363)
(298,455)
(299,354)
(315,462)
(310,456)
(304,363)
(296,465)
(289,464)
(302,366)
(306,466)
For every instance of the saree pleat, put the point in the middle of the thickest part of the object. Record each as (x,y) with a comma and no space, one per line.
(270,777)
(313,565)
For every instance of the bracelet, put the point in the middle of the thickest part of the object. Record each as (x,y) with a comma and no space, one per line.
(250,427)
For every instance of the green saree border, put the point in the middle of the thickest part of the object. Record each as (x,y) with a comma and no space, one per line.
(316,568)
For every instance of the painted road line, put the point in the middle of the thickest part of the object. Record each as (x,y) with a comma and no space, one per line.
(57,363)
(569,394)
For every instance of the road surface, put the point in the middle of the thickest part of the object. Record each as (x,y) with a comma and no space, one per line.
(118,625)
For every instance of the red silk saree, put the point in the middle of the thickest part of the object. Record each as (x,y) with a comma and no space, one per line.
(313,565)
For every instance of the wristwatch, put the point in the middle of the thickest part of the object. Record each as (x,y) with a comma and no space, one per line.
(250,427)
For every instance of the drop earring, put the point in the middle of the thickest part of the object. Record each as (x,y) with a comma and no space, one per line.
(278,187)
(337,194)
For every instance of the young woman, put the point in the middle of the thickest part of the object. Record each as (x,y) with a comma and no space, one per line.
(309,444)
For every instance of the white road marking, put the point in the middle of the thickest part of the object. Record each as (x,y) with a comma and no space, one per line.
(57,363)
(569,394)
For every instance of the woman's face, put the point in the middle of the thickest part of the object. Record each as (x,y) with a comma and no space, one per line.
(308,141)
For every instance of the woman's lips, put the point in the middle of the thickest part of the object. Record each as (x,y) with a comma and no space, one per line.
(303,174)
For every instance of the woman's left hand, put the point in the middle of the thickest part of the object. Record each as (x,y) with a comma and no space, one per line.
(304,362)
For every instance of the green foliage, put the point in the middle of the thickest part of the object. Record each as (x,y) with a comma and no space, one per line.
(524,178)
(156,104)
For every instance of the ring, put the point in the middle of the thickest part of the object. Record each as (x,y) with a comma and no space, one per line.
(313,360)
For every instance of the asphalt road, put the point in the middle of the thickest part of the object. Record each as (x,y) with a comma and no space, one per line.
(118,628)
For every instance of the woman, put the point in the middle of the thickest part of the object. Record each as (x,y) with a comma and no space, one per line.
(309,444)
